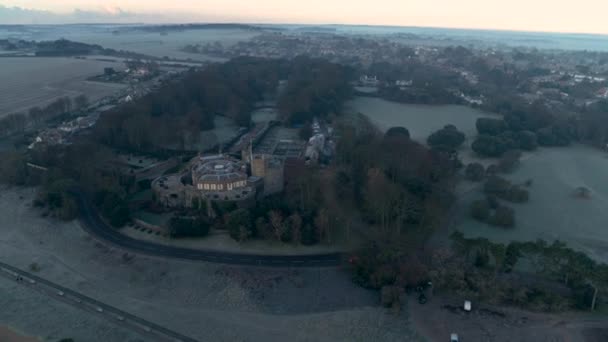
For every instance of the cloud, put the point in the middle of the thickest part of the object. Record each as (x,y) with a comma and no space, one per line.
(18,15)
(104,15)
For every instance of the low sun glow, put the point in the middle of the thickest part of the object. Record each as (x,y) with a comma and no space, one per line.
(584,16)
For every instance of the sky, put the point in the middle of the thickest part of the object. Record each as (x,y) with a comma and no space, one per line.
(580,16)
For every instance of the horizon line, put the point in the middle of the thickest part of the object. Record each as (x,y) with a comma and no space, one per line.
(314,24)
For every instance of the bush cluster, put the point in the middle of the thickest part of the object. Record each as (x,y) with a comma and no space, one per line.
(493,213)
(503,189)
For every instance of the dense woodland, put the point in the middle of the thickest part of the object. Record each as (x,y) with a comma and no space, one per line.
(180,110)
(526,127)
(386,187)
(402,191)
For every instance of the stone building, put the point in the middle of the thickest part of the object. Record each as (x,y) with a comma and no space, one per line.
(219,174)
(271,170)
(207,179)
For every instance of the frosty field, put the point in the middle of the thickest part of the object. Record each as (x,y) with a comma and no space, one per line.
(553,212)
(420,120)
(30,81)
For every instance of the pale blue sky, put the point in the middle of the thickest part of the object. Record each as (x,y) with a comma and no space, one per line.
(532,15)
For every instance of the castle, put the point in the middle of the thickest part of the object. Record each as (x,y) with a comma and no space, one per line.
(220,178)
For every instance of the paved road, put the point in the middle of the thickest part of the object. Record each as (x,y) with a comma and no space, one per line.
(83,302)
(93,224)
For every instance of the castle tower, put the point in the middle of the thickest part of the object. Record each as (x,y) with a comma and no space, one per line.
(258,166)
(274,176)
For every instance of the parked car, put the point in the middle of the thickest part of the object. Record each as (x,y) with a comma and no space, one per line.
(454,337)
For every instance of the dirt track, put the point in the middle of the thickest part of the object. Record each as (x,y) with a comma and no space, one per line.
(440,317)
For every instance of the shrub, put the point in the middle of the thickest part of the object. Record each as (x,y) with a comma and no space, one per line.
(188,227)
(527,140)
(491,170)
(553,136)
(113,207)
(503,217)
(448,137)
(309,236)
(518,195)
(144,184)
(34,267)
(490,126)
(120,215)
(489,146)
(509,161)
(474,172)
(503,189)
(390,296)
(480,210)
(492,202)
(397,132)
(497,186)
(239,224)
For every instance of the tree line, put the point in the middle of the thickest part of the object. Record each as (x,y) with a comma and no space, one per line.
(479,266)
(296,216)
(402,191)
(18,122)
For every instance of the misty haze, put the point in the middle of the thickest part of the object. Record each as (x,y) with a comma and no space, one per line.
(303,171)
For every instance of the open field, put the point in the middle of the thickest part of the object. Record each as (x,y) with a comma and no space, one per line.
(51,320)
(210,302)
(553,212)
(420,120)
(30,81)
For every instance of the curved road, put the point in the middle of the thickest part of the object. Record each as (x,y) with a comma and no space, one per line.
(87,303)
(93,224)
